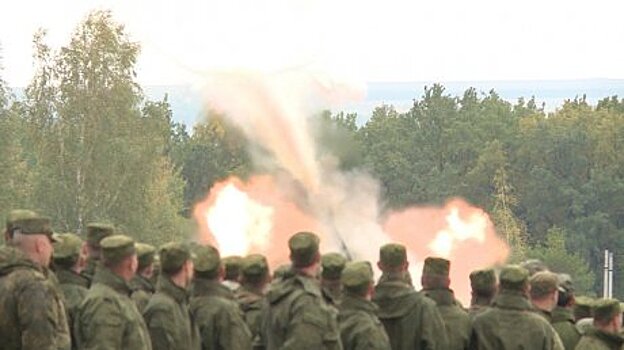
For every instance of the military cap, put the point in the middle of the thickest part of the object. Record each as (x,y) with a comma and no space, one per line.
(146,254)
(534,266)
(513,277)
(356,275)
(583,307)
(254,265)
(207,259)
(282,271)
(333,264)
(96,232)
(543,283)
(18,214)
(565,283)
(436,267)
(606,309)
(115,248)
(304,248)
(483,280)
(68,245)
(392,255)
(38,225)
(232,265)
(173,256)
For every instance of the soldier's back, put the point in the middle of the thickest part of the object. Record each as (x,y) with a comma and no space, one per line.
(598,340)
(251,304)
(456,319)
(563,323)
(360,329)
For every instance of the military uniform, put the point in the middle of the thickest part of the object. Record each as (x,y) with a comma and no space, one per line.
(605,311)
(332,265)
(213,308)
(232,265)
(167,314)
(483,284)
(142,287)
(96,232)
(563,323)
(250,296)
(108,318)
(510,323)
(583,314)
(411,320)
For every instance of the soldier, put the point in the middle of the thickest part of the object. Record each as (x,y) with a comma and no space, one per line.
(332,265)
(69,260)
(254,279)
(281,272)
(510,323)
(534,266)
(562,317)
(108,318)
(583,313)
(484,286)
(167,314)
(13,216)
(141,283)
(411,320)
(607,325)
(297,317)
(95,234)
(213,308)
(435,281)
(544,293)
(360,329)
(32,315)
(232,266)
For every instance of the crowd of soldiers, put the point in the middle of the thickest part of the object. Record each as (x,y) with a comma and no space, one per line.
(109,292)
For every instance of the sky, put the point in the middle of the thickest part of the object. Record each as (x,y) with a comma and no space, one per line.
(364,41)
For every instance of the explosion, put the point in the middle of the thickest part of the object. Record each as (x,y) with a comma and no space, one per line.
(302,191)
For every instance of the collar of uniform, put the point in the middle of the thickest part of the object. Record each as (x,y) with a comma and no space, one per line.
(613,339)
(66,276)
(205,287)
(507,299)
(481,301)
(393,277)
(141,283)
(309,284)
(562,314)
(249,289)
(107,277)
(166,286)
(443,296)
(350,302)
(392,289)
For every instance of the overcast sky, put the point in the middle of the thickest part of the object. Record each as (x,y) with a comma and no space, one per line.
(391,40)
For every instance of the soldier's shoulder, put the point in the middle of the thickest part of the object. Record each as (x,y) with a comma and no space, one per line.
(159,302)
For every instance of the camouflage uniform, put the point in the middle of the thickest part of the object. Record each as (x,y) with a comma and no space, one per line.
(583,314)
(563,323)
(605,311)
(142,287)
(96,232)
(250,296)
(213,308)
(332,265)
(232,265)
(167,314)
(411,320)
(108,318)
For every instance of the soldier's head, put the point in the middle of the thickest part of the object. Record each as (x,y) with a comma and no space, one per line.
(282,271)
(583,308)
(13,216)
(304,253)
(393,259)
(146,253)
(255,271)
(566,291)
(232,266)
(69,252)
(544,290)
(483,283)
(608,315)
(534,266)
(96,232)
(357,279)
(176,263)
(207,263)
(435,274)
(34,237)
(119,255)
(513,278)
(332,265)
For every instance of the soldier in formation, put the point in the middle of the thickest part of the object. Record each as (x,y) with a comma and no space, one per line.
(142,283)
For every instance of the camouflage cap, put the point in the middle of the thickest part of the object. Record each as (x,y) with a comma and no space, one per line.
(146,254)
(68,245)
(356,275)
(282,271)
(207,259)
(115,248)
(18,214)
(304,248)
(534,266)
(583,307)
(606,309)
(173,256)
(254,265)
(392,255)
(513,277)
(333,264)
(436,267)
(232,265)
(96,232)
(38,225)
(483,280)
(543,283)
(565,283)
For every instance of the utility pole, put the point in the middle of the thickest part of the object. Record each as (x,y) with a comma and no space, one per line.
(607,284)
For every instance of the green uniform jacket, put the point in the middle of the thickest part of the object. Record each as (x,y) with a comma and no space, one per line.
(598,340)
(142,291)
(32,315)
(108,319)
(360,329)
(511,324)
(411,320)
(456,319)
(250,302)
(478,306)
(168,318)
(74,287)
(89,270)
(297,317)
(563,323)
(218,317)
